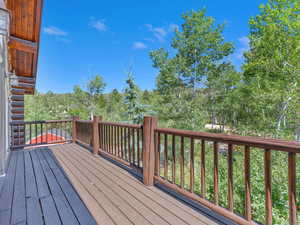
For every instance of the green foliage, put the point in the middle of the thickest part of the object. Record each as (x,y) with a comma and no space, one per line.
(134,109)
(197,85)
(272,68)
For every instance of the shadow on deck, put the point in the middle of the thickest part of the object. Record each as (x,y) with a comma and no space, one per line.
(66,184)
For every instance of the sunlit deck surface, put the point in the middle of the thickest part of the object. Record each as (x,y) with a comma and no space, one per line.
(66,184)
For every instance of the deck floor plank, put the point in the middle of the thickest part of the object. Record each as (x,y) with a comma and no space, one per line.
(66,185)
(36,191)
(6,195)
(62,205)
(33,207)
(51,216)
(81,212)
(120,186)
(164,207)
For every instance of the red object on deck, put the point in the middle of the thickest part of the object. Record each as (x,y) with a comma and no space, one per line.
(46,138)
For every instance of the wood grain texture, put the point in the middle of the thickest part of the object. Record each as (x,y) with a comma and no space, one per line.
(124,199)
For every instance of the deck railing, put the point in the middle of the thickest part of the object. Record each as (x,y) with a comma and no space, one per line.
(24,134)
(188,162)
(174,157)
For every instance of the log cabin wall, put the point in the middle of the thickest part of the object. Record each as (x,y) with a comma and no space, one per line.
(23,49)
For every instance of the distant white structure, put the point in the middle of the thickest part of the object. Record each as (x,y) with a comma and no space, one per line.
(217,127)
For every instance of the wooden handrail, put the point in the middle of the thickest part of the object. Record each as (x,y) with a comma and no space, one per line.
(156,152)
(274,144)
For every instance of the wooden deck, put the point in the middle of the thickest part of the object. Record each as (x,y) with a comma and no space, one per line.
(37,191)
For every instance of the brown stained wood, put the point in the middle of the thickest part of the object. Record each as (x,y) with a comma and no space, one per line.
(138,148)
(129,150)
(96,145)
(118,140)
(292,181)
(163,208)
(22,45)
(216,173)
(248,214)
(125,144)
(274,144)
(149,126)
(166,159)
(173,159)
(158,154)
(133,147)
(192,161)
(268,186)
(182,176)
(203,186)
(74,130)
(230,177)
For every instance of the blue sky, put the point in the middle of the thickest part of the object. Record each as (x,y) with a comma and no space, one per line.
(80,39)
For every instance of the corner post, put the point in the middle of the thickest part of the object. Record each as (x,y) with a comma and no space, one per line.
(96,146)
(149,126)
(74,135)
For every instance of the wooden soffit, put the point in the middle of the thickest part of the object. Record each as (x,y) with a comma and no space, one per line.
(25,28)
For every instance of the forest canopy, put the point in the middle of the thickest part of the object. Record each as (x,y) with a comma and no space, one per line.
(197,84)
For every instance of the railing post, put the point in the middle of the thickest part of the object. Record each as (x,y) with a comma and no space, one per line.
(74,136)
(96,146)
(149,126)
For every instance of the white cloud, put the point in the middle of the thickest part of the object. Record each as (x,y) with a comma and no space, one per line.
(139,45)
(98,25)
(244,46)
(159,32)
(52,30)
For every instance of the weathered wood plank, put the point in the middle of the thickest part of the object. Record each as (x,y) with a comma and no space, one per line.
(33,207)
(6,196)
(169,211)
(50,213)
(80,210)
(18,205)
(63,207)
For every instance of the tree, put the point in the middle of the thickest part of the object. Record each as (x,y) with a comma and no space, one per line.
(95,88)
(272,68)
(134,109)
(200,55)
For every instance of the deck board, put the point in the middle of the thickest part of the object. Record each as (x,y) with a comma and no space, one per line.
(121,192)
(36,191)
(66,185)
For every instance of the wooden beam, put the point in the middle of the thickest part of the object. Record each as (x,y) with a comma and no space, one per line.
(23,45)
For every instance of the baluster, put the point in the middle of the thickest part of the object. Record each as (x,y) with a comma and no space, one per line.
(216,173)
(46,128)
(128,139)
(42,133)
(268,186)
(30,134)
(230,177)
(133,146)
(292,188)
(158,155)
(174,159)
(182,163)
(122,143)
(192,175)
(36,133)
(203,186)
(166,167)
(138,147)
(248,213)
